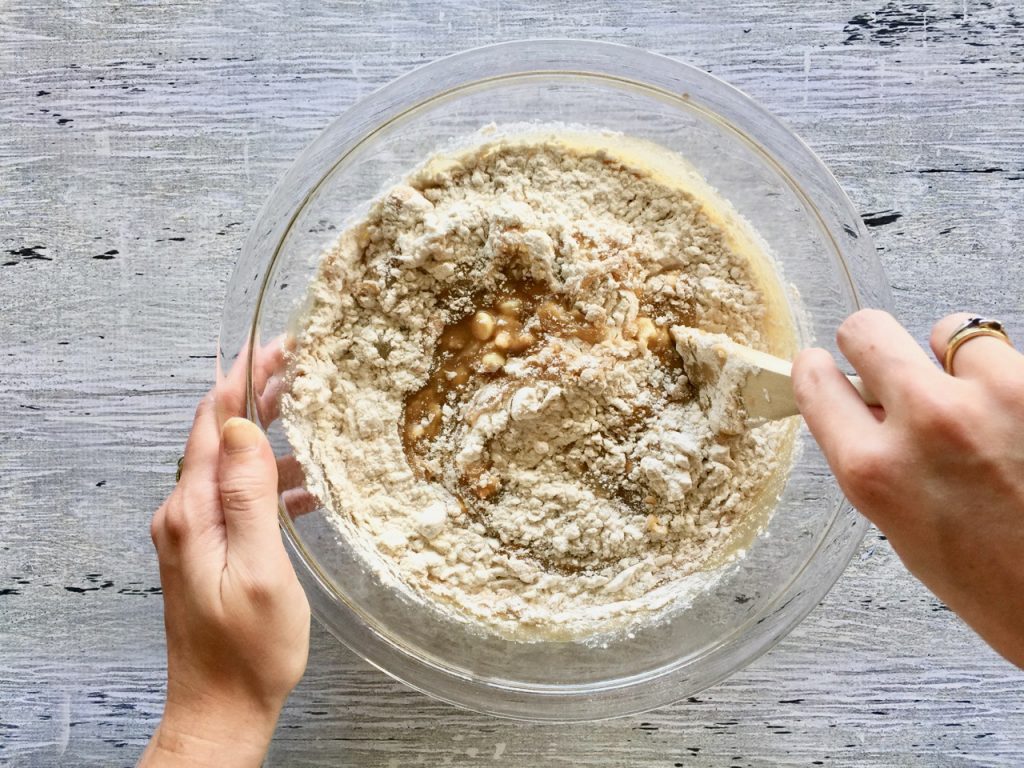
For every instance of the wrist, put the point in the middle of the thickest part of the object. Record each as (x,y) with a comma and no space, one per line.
(215,731)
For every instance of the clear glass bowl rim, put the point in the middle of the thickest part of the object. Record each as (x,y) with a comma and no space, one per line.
(669,79)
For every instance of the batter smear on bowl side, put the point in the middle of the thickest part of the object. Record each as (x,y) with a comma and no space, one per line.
(486,394)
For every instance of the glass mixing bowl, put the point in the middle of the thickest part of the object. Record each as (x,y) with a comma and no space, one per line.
(769,175)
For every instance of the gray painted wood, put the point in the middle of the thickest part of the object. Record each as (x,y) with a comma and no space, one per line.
(137,144)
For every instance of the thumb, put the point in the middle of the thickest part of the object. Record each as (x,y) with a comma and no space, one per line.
(248,491)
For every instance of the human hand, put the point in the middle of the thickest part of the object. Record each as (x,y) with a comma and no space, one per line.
(237,619)
(939,468)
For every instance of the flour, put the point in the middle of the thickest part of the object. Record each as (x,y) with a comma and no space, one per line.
(718,378)
(486,396)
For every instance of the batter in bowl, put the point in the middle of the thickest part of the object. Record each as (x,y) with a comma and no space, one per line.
(486,395)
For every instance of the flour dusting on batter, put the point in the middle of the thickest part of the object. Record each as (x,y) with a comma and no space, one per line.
(486,394)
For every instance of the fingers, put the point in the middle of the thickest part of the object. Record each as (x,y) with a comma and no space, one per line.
(248,494)
(268,376)
(884,354)
(289,474)
(203,446)
(231,387)
(834,412)
(298,502)
(268,401)
(269,359)
(291,485)
(183,513)
(981,357)
(268,362)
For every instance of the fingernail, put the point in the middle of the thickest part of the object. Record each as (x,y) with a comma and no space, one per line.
(239,434)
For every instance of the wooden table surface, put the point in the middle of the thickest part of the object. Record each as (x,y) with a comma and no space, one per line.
(136,146)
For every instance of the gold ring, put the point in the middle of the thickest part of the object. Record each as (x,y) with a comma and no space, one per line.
(177,475)
(969,329)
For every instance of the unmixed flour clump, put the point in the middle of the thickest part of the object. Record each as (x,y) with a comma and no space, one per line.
(486,395)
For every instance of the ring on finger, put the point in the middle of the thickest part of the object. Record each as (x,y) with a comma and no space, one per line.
(177,474)
(970,329)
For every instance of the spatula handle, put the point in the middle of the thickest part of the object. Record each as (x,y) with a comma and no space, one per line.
(865,395)
(768,392)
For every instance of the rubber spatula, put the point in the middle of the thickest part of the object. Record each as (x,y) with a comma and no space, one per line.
(730,376)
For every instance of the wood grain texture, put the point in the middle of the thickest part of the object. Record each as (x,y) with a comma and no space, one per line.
(137,145)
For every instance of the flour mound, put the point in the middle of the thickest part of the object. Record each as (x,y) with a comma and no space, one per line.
(563,478)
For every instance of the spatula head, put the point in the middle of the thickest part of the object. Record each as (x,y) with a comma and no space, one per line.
(739,386)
